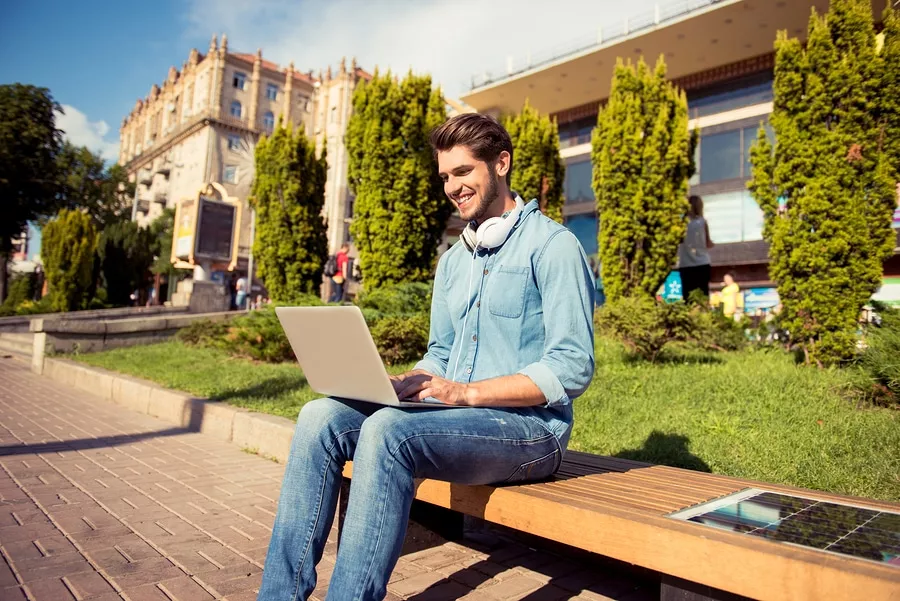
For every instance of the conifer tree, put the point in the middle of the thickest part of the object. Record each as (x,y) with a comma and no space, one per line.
(642,157)
(400,211)
(288,194)
(67,250)
(538,171)
(827,187)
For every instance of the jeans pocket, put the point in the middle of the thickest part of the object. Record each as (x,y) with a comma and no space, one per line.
(536,469)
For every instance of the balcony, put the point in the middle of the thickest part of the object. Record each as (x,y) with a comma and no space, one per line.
(161,198)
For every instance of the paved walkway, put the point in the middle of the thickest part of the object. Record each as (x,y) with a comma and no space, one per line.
(99,502)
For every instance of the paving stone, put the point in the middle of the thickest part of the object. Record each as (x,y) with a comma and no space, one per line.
(88,584)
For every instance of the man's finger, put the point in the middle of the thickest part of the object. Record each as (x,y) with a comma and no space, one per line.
(411,386)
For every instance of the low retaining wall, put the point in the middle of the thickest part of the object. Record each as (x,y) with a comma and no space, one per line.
(21,323)
(267,435)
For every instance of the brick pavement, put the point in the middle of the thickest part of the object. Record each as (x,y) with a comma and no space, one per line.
(98,502)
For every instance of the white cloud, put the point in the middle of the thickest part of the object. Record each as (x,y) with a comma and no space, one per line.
(82,132)
(453,41)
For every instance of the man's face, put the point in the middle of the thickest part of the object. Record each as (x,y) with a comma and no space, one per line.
(470,184)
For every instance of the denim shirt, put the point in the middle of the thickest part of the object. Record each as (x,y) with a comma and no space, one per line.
(530,311)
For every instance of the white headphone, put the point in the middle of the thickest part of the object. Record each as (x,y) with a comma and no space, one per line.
(492,232)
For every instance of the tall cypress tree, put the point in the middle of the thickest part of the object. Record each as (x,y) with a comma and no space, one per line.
(400,211)
(827,187)
(538,171)
(288,194)
(67,249)
(643,156)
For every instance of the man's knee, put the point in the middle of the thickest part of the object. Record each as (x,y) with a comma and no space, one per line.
(387,431)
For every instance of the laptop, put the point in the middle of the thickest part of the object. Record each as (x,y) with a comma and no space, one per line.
(338,356)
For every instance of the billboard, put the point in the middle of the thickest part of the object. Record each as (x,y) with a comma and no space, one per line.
(206,229)
(215,229)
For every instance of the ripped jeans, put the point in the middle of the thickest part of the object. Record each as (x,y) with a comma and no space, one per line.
(389,447)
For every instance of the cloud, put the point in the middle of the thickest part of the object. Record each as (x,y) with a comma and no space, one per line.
(454,41)
(82,132)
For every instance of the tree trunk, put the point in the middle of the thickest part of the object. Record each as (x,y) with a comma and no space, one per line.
(4,260)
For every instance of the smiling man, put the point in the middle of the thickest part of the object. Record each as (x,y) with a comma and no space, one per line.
(511,343)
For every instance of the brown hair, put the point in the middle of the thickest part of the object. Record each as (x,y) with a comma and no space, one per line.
(696,205)
(482,135)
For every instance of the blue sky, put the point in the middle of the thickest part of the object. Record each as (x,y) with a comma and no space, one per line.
(98,57)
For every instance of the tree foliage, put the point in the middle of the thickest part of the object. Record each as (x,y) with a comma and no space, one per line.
(827,187)
(538,171)
(125,251)
(288,194)
(400,210)
(86,183)
(162,229)
(643,157)
(67,249)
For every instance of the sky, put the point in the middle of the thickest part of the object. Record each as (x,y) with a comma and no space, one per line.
(97,58)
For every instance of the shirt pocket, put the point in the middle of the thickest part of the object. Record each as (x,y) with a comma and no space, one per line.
(506,296)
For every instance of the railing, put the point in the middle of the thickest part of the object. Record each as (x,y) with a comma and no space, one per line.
(603,36)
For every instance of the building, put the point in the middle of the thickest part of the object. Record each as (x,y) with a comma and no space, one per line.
(202,124)
(721,53)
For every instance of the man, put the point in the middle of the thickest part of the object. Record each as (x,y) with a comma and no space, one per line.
(511,341)
(340,275)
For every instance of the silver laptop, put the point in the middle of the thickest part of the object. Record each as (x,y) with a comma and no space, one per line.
(338,356)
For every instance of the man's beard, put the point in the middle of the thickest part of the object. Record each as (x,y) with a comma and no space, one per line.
(489,196)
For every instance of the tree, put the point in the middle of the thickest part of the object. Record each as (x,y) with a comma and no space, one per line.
(538,171)
(642,157)
(125,251)
(67,249)
(86,183)
(162,229)
(29,143)
(827,187)
(400,210)
(288,194)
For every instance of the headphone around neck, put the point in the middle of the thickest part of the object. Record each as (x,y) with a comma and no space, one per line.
(494,231)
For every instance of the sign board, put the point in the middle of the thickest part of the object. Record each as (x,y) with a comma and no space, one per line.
(215,229)
(760,298)
(184,228)
(889,293)
(672,291)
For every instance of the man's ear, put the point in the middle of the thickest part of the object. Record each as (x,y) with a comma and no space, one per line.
(502,164)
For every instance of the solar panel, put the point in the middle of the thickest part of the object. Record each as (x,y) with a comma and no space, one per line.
(863,532)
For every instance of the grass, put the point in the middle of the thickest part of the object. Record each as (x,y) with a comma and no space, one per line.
(752,414)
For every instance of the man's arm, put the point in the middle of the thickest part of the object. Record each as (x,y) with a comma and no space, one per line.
(441,333)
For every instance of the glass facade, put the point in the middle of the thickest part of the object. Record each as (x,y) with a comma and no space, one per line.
(585,229)
(577,187)
(733,217)
(576,132)
(725,155)
(748,91)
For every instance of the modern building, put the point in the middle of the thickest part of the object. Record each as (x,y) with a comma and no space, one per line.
(721,53)
(202,124)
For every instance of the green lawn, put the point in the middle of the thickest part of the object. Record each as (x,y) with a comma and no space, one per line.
(753,414)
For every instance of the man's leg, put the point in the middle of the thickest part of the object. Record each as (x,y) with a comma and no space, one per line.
(324,439)
(466,445)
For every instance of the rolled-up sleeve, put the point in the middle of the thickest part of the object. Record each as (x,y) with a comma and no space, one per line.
(565,283)
(441,333)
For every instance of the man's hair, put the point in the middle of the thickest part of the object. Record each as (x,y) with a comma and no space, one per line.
(345,246)
(482,135)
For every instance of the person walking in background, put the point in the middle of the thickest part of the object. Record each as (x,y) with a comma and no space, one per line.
(240,295)
(339,277)
(693,253)
(732,299)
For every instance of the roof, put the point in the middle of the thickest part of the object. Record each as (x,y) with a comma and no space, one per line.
(251,58)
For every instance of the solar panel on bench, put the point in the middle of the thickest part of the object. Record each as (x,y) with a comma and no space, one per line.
(846,529)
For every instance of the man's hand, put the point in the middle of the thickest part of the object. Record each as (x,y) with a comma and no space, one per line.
(418,385)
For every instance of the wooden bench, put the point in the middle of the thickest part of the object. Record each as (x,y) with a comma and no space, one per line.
(617,508)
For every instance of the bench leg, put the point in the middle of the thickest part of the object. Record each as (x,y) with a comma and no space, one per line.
(676,589)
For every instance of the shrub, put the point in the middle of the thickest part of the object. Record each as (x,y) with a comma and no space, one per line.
(203,332)
(403,299)
(643,325)
(712,330)
(881,358)
(257,335)
(21,289)
(401,339)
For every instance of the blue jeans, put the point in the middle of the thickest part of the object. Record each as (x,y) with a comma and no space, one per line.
(389,447)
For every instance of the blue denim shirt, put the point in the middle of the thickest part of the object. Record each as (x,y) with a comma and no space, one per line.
(530,306)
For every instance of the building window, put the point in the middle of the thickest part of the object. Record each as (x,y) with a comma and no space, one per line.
(733,217)
(272,91)
(577,132)
(585,229)
(240,80)
(229,174)
(234,142)
(726,155)
(755,89)
(269,122)
(236,109)
(577,186)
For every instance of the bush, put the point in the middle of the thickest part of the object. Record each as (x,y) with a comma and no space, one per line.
(880,359)
(203,332)
(21,289)
(401,339)
(646,326)
(403,299)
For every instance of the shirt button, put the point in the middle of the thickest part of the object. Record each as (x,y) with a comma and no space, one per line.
(478,304)
(474,338)
(485,272)
(468,370)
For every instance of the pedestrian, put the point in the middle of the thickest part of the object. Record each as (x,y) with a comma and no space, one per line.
(693,253)
(240,296)
(341,259)
(511,342)
(732,299)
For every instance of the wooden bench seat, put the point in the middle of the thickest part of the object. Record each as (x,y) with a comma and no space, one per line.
(617,508)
